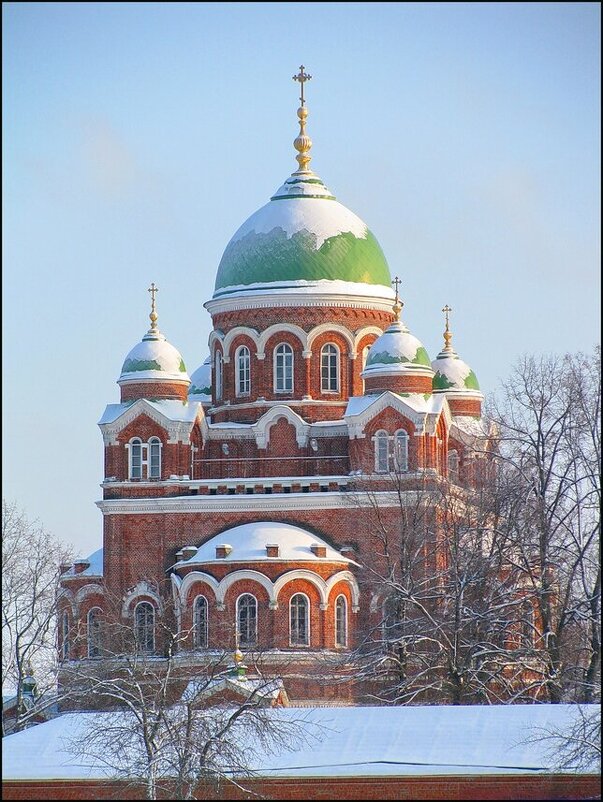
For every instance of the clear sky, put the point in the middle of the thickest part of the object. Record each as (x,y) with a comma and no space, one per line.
(137,137)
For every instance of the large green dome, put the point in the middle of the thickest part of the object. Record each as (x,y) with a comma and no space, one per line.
(302,236)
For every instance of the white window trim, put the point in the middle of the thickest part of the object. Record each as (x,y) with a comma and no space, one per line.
(92,610)
(238,392)
(144,601)
(406,439)
(195,639)
(453,474)
(337,389)
(65,630)
(255,643)
(274,373)
(145,458)
(378,438)
(345,621)
(391,456)
(219,374)
(308,618)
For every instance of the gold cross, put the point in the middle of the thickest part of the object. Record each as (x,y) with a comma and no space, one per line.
(153,289)
(397,282)
(447,335)
(446,310)
(302,77)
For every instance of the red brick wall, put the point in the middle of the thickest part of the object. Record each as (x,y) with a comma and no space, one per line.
(134,391)
(454,787)
(398,384)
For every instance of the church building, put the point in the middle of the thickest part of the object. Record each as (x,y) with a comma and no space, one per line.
(230,495)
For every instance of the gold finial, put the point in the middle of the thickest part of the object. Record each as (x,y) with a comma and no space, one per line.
(153,289)
(302,143)
(398,304)
(447,335)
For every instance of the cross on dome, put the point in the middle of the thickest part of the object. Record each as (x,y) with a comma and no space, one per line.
(447,334)
(302,77)
(302,142)
(153,290)
(397,302)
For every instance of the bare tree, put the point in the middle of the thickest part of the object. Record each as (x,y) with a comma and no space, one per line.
(549,492)
(31,560)
(176,728)
(446,601)
(577,746)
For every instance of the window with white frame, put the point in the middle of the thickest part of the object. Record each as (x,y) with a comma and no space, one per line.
(144,458)
(401,450)
(299,617)
(219,373)
(381,440)
(453,465)
(243,368)
(94,632)
(200,622)
(283,368)
(247,620)
(365,353)
(329,368)
(144,626)
(65,636)
(341,621)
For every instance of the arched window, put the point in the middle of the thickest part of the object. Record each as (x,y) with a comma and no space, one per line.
(144,622)
(401,450)
(154,451)
(329,368)
(94,632)
(283,368)
(243,366)
(381,452)
(299,609)
(144,458)
(219,383)
(247,620)
(365,353)
(136,458)
(65,636)
(341,621)
(453,466)
(200,621)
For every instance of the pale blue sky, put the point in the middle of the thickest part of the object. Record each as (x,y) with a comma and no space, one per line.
(138,137)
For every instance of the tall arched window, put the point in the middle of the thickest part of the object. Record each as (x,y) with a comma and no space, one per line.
(283,368)
(381,452)
(144,458)
(341,621)
(94,632)
(299,612)
(247,620)
(218,371)
(453,466)
(154,458)
(200,621)
(136,458)
(65,635)
(243,368)
(329,368)
(144,622)
(401,450)
(365,353)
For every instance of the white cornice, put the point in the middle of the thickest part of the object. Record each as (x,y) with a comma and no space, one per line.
(263,503)
(178,430)
(292,299)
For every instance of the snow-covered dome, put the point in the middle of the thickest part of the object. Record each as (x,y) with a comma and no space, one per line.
(201,382)
(153,359)
(303,241)
(452,375)
(396,352)
(248,542)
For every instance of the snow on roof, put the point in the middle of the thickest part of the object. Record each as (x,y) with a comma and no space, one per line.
(169,408)
(94,569)
(417,401)
(249,541)
(356,742)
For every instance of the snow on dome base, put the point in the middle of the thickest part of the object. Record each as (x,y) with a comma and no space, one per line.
(201,380)
(395,351)
(303,233)
(154,359)
(452,374)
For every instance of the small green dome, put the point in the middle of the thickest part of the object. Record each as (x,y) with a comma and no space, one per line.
(303,235)
(200,387)
(153,359)
(451,374)
(396,351)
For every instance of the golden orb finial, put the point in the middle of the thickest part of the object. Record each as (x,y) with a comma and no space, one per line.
(398,304)
(153,289)
(447,333)
(302,142)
